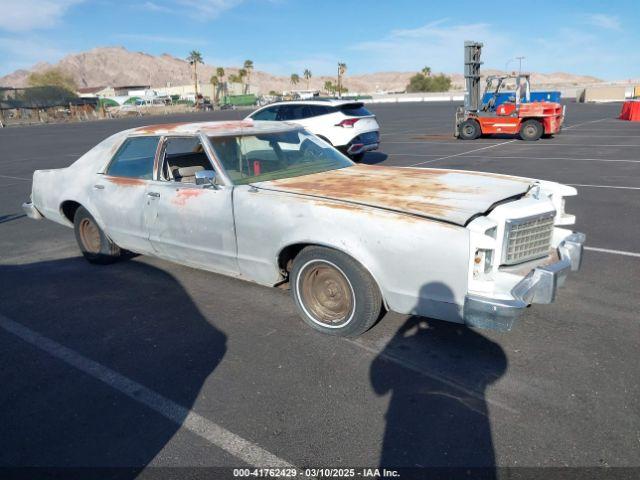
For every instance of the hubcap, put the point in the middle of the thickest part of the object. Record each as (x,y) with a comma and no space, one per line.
(530,131)
(90,235)
(326,294)
(468,130)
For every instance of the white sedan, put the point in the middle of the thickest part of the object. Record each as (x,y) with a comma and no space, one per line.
(271,203)
(345,124)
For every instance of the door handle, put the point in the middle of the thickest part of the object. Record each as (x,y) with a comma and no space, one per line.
(153,194)
(98,187)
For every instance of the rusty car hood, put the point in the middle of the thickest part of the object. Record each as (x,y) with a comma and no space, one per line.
(453,196)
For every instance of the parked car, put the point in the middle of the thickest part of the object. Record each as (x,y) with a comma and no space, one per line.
(347,125)
(271,203)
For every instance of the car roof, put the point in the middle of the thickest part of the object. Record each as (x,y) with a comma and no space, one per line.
(219,128)
(318,101)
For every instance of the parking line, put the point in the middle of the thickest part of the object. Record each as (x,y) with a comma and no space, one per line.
(240,448)
(462,153)
(615,252)
(603,186)
(519,157)
(15,178)
(585,123)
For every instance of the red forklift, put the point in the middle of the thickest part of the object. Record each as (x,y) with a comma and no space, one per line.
(517,116)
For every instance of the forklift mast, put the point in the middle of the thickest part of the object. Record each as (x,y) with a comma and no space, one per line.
(472,51)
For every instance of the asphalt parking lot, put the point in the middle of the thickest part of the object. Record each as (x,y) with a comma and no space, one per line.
(147,363)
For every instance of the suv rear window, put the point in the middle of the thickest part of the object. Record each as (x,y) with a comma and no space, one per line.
(354,110)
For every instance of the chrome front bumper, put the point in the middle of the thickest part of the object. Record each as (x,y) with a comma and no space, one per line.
(31,211)
(539,286)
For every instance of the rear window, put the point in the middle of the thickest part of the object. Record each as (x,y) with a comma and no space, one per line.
(135,158)
(354,110)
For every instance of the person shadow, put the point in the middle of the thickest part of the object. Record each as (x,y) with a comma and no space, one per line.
(129,317)
(436,374)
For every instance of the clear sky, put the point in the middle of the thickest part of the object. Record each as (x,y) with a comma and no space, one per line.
(600,38)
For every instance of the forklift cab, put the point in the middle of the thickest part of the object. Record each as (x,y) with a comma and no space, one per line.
(494,86)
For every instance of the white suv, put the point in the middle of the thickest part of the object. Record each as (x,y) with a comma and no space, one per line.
(345,124)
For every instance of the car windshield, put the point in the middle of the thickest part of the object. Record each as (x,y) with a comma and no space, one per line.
(272,156)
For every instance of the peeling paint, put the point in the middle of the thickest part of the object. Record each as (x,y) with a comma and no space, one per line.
(185,194)
(125,182)
(233,127)
(449,195)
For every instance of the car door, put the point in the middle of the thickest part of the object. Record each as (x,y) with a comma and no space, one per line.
(119,194)
(189,223)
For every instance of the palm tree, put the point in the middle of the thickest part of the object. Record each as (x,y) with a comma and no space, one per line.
(342,68)
(248,67)
(328,86)
(233,78)
(194,58)
(215,83)
(220,75)
(295,79)
(307,76)
(426,71)
(242,74)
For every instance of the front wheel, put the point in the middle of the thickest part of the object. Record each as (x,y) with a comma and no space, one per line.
(469,130)
(334,294)
(95,246)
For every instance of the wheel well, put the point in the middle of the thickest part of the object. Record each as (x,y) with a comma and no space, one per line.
(69,208)
(287,254)
(537,119)
(290,252)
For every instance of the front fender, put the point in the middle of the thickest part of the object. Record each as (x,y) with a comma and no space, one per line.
(414,260)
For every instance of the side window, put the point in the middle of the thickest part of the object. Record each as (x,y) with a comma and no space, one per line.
(135,158)
(285,113)
(267,114)
(318,110)
(183,157)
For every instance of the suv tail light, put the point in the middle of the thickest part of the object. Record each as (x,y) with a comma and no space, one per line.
(347,122)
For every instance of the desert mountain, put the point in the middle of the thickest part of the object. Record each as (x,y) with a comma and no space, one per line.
(115,66)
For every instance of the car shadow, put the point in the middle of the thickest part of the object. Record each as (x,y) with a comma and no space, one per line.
(131,318)
(437,414)
(372,158)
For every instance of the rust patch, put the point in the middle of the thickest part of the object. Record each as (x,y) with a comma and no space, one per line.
(160,127)
(437,193)
(193,127)
(125,182)
(185,194)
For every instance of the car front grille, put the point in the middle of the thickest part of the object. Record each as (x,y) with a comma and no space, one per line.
(527,238)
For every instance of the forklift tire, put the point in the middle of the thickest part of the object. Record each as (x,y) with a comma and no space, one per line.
(531,130)
(469,130)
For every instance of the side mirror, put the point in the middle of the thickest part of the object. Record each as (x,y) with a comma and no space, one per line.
(206,177)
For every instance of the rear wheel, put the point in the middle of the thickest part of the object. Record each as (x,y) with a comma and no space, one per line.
(469,130)
(531,130)
(334,293)
(95,246)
